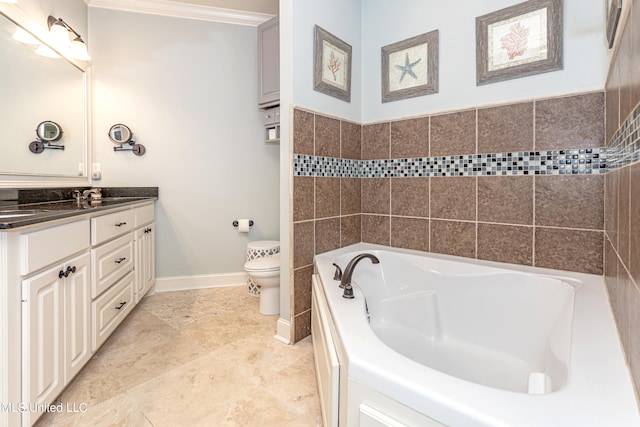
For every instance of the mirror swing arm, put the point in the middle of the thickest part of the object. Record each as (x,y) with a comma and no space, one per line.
(47,133)
(120,135)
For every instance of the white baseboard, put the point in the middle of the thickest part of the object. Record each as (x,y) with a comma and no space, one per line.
(203,281)
(283,331)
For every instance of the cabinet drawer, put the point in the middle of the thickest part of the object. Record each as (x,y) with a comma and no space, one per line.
(144,215)
(272,116)
(43,247)
(106,227)
(110,262)
(110,309)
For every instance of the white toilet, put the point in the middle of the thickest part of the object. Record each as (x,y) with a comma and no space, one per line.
(265,272)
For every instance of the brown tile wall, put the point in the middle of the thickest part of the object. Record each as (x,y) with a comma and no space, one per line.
(550,221)
(326,211)
(622,196)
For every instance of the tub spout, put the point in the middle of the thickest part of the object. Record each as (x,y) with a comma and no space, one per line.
(348,272)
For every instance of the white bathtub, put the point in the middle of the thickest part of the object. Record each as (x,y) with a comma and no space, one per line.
(469,343)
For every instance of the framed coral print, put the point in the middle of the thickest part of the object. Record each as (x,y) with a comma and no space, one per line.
(519,41)
(332,65)
(410,67)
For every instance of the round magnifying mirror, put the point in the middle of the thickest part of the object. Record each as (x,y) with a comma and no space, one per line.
(49,131)
(120,134)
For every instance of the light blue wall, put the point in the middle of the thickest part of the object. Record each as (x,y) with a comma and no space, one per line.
(188,90)
(384,22)
(341,18)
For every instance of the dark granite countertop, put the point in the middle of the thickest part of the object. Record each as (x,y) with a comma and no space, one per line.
(22,207)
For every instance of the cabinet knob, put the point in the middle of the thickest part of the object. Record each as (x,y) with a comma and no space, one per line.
(119,260)
(120,224)
(122,304)
(65,273)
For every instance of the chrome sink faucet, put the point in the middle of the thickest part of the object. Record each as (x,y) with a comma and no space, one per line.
(348,272)
(86,194)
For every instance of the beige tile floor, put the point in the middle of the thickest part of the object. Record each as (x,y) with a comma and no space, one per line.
(194,358)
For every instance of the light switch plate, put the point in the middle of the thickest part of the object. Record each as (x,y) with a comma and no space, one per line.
(96,171)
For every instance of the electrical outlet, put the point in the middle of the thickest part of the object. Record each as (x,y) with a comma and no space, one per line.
(80,169)
(96,171)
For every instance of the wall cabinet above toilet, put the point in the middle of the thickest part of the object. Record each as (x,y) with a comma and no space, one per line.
(269,63)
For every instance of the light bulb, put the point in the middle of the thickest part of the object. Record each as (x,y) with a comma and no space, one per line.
(24,37)
(79,50)
(59,36)
(46,51)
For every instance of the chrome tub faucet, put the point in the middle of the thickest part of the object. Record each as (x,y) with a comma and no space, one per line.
(348,272)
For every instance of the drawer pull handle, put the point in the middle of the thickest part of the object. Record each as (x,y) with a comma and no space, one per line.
(61,274)
(119,260)
(148,230)
(122,304)
(120,224)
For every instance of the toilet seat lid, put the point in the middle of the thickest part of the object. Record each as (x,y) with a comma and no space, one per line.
(267,263)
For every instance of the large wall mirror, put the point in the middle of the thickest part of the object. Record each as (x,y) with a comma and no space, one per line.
(36,89)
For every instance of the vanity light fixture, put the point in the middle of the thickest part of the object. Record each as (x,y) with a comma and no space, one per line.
(71,43)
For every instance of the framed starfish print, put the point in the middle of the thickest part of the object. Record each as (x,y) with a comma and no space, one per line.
(332,65)
(410,67)
(518,41)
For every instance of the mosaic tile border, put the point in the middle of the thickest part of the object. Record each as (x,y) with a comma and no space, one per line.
(557,162)
(624,146)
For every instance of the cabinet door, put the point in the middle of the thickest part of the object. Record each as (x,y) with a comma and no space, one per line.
(42,332)
(269,63)
(145,260)
(77,314)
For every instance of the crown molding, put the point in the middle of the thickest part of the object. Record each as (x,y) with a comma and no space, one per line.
(182,10)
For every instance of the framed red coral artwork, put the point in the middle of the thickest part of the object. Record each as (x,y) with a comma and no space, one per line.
(332,65)
(518,41)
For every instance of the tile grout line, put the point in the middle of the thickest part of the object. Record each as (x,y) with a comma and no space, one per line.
(429,189)
(533,196)
(476,187)
(389,178)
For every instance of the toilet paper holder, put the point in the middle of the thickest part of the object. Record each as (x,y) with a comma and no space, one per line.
(235,223)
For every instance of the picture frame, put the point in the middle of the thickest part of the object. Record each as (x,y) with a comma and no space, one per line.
(410,67)
(332,65)
(613,16)
(518,41)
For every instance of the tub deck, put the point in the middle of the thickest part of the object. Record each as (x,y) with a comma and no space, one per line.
(598,389)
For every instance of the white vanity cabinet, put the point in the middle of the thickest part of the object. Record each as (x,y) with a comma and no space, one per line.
(55,313)
(122,261)
(65,286)
(145,251)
